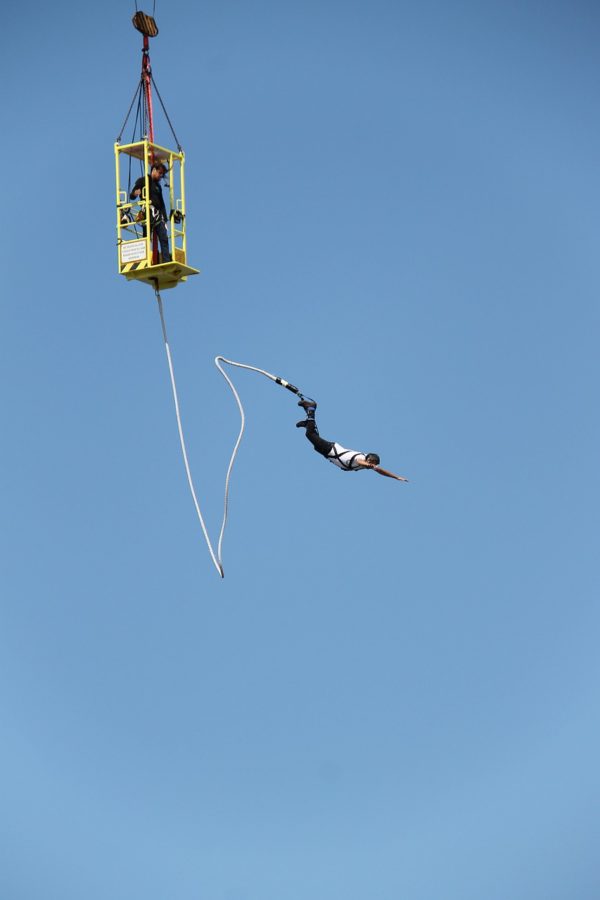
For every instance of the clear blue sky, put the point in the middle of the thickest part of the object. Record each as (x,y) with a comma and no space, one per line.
(394,692)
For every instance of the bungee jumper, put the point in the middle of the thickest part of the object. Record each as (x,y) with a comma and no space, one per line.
(347,460)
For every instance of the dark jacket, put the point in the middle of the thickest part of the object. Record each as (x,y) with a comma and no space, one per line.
(156,194)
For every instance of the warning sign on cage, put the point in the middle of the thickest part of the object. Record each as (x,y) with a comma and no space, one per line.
(132,251)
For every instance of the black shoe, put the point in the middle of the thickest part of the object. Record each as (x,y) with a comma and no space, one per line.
(302,424)
(307,404)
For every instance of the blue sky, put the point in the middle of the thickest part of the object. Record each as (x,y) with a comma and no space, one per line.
(393,692)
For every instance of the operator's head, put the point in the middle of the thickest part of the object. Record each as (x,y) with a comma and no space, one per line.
(158,170)
(373,459)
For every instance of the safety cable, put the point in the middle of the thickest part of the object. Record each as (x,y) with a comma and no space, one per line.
(137,90)
(137,117)
(165,112)
(217,557)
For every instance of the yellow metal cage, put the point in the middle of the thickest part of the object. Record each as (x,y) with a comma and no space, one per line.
(138,259)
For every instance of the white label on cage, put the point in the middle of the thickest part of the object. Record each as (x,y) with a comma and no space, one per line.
(133,251)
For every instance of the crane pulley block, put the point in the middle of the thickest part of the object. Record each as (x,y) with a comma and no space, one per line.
(145,24)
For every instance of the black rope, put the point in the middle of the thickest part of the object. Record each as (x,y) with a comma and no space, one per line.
(166,114)
(137,90)
(136,124)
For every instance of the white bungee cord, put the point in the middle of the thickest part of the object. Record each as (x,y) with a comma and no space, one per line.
(215,560)
(216,557)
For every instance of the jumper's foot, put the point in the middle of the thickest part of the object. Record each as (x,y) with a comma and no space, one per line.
(307,404)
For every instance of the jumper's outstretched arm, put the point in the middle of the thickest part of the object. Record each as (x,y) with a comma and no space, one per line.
(381,471)
(389,474)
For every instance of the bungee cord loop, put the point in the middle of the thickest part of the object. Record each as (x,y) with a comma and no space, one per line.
(217,557)
(277,380)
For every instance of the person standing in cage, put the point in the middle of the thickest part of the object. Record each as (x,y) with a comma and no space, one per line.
(348,460)
(158,212)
